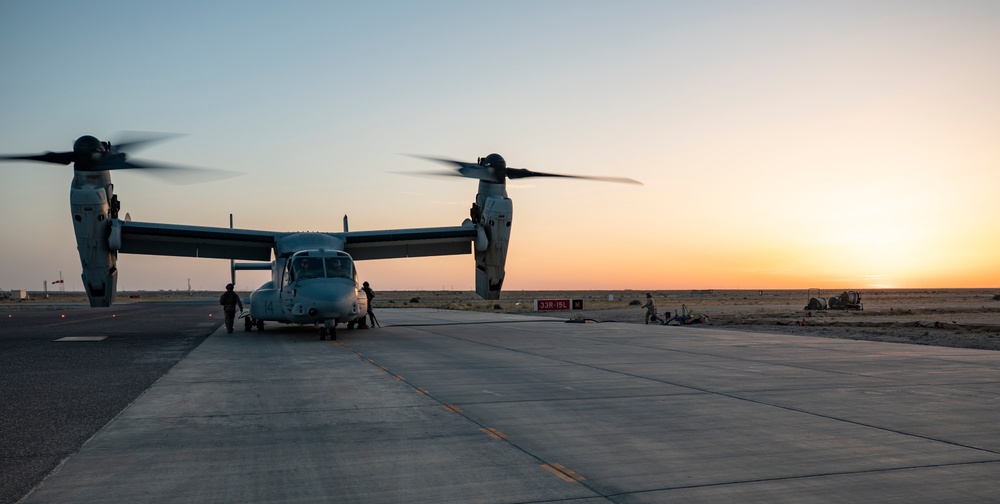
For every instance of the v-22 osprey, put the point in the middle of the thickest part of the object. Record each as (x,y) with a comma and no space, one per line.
(314,279)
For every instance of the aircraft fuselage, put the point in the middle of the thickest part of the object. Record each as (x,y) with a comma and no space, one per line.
(311,286)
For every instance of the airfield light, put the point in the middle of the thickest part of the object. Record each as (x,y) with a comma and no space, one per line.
(62,316)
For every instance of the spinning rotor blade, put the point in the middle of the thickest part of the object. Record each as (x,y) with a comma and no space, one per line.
(135,140)
(516,173)
(493,168)
(63,158)
(467,170)
(92,155)
(136,164)
(435,173)
(175,174)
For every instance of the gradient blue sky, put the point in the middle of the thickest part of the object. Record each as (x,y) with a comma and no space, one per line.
(782,144)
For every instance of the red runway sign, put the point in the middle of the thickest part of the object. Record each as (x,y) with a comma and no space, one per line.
(558,304)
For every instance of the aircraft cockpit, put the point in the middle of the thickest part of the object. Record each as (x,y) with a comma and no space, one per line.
(305,265)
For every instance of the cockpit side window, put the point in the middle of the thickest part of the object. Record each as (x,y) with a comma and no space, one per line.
(287,276)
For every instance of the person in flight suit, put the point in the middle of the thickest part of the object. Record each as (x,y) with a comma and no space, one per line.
(369,293)
(650,309)
(229,300)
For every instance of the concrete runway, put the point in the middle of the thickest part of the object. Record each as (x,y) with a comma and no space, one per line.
(444,406)
(56,395)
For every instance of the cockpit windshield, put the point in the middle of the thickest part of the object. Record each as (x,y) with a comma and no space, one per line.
(306,267)
(339,267)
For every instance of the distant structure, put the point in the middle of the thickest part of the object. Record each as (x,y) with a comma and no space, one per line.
(849,300)
(817,303)
(14,294)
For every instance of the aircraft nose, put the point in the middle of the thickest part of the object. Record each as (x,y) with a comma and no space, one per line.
(324,300)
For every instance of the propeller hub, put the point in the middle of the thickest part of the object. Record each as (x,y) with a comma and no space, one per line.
(88,145)
(495,161)
(497,165)
(88,151)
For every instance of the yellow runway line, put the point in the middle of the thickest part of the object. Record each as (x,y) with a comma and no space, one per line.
(494,433)
(563,473)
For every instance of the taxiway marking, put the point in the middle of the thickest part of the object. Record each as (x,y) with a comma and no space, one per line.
(494,433)
(563,473)
(81,338)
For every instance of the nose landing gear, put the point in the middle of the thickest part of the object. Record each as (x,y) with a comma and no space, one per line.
(329,327)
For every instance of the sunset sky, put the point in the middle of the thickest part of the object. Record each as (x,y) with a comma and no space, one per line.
(782,144)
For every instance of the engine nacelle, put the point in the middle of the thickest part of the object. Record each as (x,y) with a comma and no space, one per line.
(91,206)
(497,214)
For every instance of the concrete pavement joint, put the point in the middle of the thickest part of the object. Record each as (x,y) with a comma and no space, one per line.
(557,469)
(805,476)
(733,396)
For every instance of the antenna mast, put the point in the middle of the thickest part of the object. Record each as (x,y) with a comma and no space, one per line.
(232,262)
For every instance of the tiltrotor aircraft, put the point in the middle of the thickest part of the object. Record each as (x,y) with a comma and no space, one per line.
(313,274)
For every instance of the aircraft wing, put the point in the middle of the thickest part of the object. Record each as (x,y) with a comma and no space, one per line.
(192,241)
(410,242)
(150,238)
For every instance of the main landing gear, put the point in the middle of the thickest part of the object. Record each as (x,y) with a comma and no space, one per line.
(329,327)
(249,323)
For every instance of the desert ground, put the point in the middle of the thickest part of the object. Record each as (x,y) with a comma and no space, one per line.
(968,318)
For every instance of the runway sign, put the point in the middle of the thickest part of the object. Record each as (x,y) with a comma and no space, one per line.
(558,304)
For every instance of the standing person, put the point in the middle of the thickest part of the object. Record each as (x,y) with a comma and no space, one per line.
(229,300)
(370,294)
(650,309)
